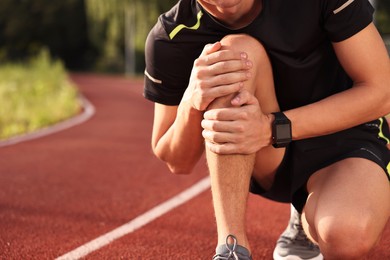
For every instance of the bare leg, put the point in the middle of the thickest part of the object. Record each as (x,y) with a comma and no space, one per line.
(230,174)
(348,208)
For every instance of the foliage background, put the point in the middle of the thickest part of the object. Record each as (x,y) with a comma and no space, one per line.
(34,94)
(85,34)
(38,36)
(98,35)
(383,16)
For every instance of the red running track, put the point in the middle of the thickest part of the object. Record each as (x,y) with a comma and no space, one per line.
(64,190)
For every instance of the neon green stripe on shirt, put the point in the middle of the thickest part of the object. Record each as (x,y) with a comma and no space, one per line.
(182,26)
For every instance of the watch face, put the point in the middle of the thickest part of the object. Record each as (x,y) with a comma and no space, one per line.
(283,131)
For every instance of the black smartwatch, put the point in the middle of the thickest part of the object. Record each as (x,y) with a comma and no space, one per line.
(281,130)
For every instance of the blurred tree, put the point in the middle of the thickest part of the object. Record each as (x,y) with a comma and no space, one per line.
(26,26)
(105,35)
(105,32)
(383,16)
(118,30)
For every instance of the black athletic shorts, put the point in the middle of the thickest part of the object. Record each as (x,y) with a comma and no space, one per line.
(305,157)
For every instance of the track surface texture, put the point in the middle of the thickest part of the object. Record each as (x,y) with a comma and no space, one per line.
(63,190)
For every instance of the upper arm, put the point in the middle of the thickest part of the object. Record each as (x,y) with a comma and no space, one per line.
(164,116)
(167,68)
(364,57)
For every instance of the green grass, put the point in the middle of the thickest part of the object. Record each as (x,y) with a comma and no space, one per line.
(34,94)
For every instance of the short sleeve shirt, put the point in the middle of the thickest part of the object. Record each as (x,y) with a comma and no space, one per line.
(297,35)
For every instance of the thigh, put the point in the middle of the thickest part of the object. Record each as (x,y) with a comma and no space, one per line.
(349,195)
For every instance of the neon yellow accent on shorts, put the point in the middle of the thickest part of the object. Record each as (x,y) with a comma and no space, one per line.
(182,26)
(381,134)
(388,170)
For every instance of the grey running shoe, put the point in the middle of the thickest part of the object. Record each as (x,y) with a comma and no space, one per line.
(293,244)
(232,251)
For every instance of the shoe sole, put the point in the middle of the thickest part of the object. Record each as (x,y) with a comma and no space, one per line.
(294,257)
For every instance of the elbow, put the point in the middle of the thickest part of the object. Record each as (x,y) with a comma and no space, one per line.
(387,105)
(386,94)
(177,168)
(380,101)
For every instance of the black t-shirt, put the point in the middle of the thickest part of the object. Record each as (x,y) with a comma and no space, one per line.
(297,35)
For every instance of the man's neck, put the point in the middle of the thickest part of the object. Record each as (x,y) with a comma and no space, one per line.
(236,16)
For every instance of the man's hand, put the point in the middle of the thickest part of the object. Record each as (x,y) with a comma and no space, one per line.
(216,73)
(241,129)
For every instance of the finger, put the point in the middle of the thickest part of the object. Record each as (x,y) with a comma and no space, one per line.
(223,114)
(226,66)
(207,95)
(218,137)
(244,97)
(208,59)
(229,78)
(224,90)
(216,126)
(208,49)
(211,55)
(225,148)
(223,127)
(216,88)
(225,55)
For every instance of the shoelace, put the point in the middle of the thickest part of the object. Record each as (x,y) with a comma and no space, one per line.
(301,233)
(300,236)
(232,251)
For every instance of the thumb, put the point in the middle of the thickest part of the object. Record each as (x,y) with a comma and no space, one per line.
(212,47)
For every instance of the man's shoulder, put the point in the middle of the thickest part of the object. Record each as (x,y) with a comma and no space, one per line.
(184,13)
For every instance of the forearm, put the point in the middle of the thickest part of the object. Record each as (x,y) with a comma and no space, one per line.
(367,100)
(355,106)
(182,144)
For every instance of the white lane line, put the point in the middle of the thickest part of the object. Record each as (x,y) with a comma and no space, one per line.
(88,112)
(138,222)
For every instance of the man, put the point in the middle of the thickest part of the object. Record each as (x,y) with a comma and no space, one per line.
(292,111)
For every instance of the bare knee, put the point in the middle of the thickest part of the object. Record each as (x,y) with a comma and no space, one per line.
(244,42)
(346,239)
(348,215)
(261,83)
(251,46)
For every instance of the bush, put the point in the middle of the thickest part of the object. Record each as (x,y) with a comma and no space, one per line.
(34,94)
